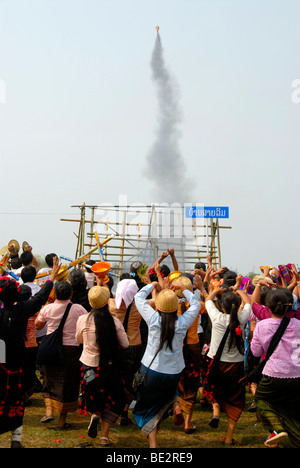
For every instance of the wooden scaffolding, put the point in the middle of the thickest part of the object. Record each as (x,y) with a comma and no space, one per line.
(143,232)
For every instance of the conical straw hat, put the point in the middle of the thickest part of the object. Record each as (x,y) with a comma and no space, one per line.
(183,281)
(98,296)
(166,301)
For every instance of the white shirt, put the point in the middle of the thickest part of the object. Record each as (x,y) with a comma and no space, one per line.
(42,280)
(198,296)
(167,361)
(220,321)
(35,288)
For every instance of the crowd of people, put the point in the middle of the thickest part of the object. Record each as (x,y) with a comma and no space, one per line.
(185,334)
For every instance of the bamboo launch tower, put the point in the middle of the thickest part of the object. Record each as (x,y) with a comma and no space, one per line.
(143,232)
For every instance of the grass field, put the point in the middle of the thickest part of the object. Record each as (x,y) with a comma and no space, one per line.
(249,432)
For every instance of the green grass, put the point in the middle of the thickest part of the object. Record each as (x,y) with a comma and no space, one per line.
(249,432)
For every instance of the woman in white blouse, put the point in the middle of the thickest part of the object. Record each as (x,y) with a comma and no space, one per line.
(227,393)
(166,332)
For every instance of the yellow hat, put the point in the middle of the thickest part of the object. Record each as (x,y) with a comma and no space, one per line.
(166,301)
(98,296)
(262,268)
(183,281)
(174,275)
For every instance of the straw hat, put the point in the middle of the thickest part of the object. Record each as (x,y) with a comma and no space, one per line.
(258,278)
(98,296)
(183,281)
(166,301)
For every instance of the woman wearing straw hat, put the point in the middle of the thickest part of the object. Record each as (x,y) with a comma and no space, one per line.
(102,336)
(163,360)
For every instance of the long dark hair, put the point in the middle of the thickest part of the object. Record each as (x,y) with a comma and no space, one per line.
(167,332)
(280,301)
(106,334)
(231,303)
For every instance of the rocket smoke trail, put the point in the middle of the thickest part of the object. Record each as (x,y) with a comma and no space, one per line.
(165,166)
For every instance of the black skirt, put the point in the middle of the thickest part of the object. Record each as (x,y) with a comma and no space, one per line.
(103,392)
(12,398)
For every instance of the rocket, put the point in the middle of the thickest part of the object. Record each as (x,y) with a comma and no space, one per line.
(158,37)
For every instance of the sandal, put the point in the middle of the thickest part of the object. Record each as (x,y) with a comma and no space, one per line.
(190,430)
(105,442)
(214,422)
(93,427)
(46,419)
(230,444)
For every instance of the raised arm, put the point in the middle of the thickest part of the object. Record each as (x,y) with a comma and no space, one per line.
(35,303)
(174,260)
(141,303)
(191,313)
(255,297)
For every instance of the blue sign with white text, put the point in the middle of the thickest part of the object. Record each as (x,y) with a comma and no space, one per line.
(207,211)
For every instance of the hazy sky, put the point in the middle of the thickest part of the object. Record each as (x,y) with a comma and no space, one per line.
(78,112)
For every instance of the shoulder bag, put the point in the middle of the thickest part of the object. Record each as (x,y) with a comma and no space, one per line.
(256,374)
(50,351)
(126,318)
(139,378)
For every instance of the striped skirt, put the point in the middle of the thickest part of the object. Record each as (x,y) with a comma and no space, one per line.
(131,360)
(61,382)
(190,377)
(278,404)
(227,390)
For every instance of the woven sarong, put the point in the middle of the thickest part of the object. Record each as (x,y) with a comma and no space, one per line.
(131,359)
(190,378)
(227,391)
(278,404)
(61,382)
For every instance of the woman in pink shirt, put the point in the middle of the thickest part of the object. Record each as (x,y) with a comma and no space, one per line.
(102,336)
(61,382)
(277,396)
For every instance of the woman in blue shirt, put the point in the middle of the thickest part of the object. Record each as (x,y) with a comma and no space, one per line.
(166,333)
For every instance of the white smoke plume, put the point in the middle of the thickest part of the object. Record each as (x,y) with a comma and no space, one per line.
(165,166)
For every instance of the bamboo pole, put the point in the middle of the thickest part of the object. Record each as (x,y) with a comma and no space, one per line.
(122,243)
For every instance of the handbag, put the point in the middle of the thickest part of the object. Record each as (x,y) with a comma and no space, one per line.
(255,375)
(139,378)
(50,351)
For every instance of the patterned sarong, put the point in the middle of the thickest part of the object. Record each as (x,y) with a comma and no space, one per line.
(278,404)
